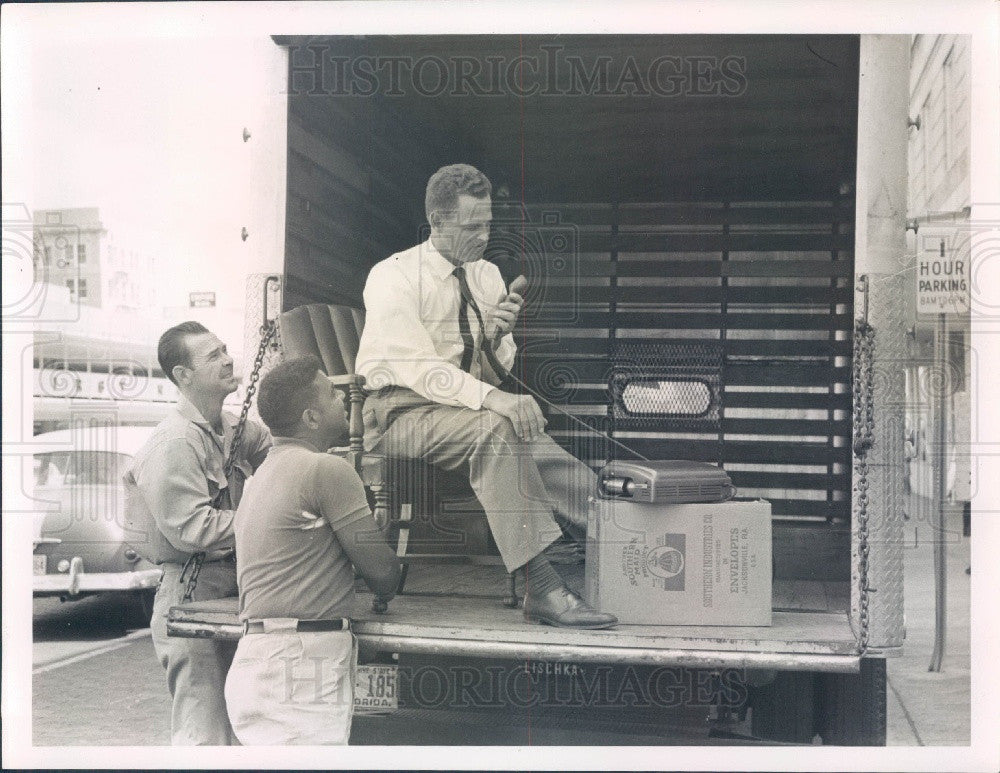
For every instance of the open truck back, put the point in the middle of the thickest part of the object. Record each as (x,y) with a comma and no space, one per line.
(661,194)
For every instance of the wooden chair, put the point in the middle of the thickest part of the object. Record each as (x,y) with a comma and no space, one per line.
(398,487)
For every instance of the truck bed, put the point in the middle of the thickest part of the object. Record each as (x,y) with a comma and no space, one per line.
(457,610)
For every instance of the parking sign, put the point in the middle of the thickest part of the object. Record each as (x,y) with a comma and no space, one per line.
(942,279)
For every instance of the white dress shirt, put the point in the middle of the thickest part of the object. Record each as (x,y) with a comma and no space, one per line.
(411,336)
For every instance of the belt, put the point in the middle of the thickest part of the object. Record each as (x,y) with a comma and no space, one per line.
(285,624)
(229,557)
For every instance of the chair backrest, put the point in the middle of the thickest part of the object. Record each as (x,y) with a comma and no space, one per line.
(331,333)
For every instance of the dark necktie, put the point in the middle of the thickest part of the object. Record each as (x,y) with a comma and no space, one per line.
(468,343)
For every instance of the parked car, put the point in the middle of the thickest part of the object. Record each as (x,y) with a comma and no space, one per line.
(79,546)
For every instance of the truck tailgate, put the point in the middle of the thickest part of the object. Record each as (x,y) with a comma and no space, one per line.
(810,631)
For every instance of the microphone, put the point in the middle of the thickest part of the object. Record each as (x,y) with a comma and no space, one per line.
(518,285)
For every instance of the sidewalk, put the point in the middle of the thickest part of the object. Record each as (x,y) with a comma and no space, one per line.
(925,708)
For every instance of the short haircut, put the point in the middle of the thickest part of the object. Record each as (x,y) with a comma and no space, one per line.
(448,182)
(172,349)
(285,392)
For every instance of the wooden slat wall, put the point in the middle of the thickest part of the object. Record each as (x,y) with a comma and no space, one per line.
(356,176)
(772,283)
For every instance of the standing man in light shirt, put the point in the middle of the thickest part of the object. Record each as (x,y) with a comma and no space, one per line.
(179,503)
(301,525)
(431,312)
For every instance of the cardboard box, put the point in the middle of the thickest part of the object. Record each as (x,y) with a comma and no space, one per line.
(695,564)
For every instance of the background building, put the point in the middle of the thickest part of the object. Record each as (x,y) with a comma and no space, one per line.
(939,205)
(68,252)
(97,354)
(105,307)
(74,250)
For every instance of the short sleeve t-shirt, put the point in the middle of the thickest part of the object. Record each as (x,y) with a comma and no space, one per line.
(289,561)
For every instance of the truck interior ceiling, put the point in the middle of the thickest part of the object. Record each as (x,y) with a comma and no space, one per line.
(682,206)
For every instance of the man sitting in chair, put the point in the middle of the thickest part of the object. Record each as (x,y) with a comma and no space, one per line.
(437,314)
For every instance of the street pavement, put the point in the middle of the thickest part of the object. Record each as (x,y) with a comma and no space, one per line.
(932,708)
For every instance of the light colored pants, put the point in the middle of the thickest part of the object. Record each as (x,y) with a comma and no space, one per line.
(196,668)
(287,688)
(520,485)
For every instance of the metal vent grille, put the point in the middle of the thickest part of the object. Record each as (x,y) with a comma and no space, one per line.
(657,397)
(656,385)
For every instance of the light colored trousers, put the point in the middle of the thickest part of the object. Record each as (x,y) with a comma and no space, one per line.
(287,688)
(196,668)
(520,485)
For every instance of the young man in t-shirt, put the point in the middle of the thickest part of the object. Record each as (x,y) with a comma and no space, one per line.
(303,522)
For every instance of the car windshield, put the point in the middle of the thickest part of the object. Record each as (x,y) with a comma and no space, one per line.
(58,469)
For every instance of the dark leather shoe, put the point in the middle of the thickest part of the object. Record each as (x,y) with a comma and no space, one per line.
(565,609)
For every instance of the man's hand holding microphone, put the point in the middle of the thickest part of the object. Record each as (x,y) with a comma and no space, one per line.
(522,410)
(500,321)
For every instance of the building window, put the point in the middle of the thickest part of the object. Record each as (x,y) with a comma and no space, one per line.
(947,99)
(82,291)
(918,165)
(48,256)
(933,156)
(81,253)
(68,252)
(72,287)
(956,90)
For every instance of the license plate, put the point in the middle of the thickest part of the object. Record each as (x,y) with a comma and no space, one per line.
(39,564)
(376,689)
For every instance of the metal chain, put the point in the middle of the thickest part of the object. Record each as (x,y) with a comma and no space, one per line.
(268,331)
(193,564)
(864,438)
